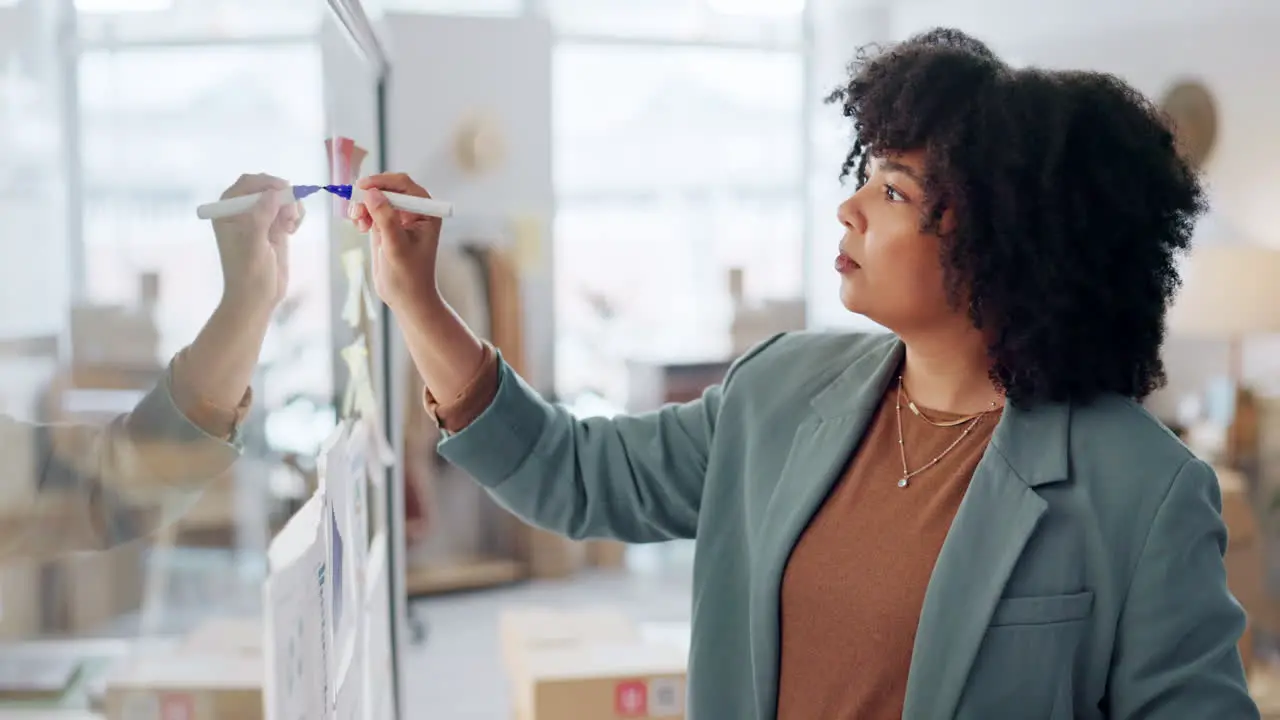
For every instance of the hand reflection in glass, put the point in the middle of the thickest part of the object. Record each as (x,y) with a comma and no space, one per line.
(183,432)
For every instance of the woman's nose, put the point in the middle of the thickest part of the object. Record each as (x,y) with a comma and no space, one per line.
(850,216)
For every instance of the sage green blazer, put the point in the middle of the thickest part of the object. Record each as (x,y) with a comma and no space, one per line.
(1083,576)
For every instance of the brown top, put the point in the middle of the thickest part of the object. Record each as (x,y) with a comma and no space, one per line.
(854,586)
(222,423)
(458,412)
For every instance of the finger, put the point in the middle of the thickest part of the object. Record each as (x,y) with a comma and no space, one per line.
(249,184)
(272,207)
(395,182)
(360,219)
(282,252)
(238,187)
(360,216)
(302,215)
(385,218)
(358,213)
(289,214)
(286,219)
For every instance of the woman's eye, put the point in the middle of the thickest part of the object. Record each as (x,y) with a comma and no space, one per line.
(891,193)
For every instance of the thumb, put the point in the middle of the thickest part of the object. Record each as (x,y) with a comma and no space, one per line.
(385,219)
(269,205)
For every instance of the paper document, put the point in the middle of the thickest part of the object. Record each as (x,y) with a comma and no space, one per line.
(343,470)
(379,704)
(295,647)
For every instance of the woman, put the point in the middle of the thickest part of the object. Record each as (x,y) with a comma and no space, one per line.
(183,433)
(972,517)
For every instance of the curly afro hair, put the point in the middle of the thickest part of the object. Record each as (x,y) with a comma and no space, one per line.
(1069,200)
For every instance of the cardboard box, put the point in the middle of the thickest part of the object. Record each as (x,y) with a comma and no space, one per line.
(21,616)
(89,591)
(230,635)
(607,554)
(63,593)
(550,556)
(603,681)
(187,685)
(531,629)
(213,520)
(592,663)
(113,335)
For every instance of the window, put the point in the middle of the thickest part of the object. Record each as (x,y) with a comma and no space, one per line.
(156,132)
(33,244)
(758,22)
(672,165)
(150,157)
(163,129)
(485,8)
(122,21)
(109,145)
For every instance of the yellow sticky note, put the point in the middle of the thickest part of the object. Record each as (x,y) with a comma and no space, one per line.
(359,387)
(371,305)
(353,264)
(349,400)
(366,399)
(526,238)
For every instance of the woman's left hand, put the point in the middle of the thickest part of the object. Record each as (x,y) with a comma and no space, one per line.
(254,246)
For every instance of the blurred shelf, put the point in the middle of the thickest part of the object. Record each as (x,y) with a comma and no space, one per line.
(456,575)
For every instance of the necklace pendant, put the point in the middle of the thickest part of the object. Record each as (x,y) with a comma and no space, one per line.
(902,483)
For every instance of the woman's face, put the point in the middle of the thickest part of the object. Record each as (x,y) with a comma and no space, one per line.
(890,269)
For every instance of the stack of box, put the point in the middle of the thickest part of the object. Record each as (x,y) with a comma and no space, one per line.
(596,663)
(235,636)
(113,335)
(68,595)
(215,672)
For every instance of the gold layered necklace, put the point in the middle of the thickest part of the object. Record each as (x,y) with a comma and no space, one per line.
(971,420)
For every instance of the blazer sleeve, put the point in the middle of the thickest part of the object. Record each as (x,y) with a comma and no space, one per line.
(74,487)
(635,478)
(1176,651)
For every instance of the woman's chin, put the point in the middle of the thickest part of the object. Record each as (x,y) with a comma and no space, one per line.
(856,303)
(852,299)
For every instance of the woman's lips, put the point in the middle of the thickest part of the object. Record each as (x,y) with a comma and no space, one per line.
(845,264)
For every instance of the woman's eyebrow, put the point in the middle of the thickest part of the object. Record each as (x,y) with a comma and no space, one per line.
(895,166)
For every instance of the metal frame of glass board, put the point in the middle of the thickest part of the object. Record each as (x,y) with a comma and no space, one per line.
(359,28)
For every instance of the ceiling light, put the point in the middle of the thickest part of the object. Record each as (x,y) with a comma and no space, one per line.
(757,8)
(115,7)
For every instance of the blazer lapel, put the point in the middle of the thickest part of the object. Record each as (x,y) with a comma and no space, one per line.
(999,513)
(821,448)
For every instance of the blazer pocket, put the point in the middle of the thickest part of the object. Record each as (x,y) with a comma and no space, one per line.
(1042,609)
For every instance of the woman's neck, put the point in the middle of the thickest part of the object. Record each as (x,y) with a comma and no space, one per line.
(950,372)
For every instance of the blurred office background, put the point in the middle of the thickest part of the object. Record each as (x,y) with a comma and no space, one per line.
(659,178)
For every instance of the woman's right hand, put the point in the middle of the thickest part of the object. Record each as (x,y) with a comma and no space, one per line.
(404,245)
(445,351)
